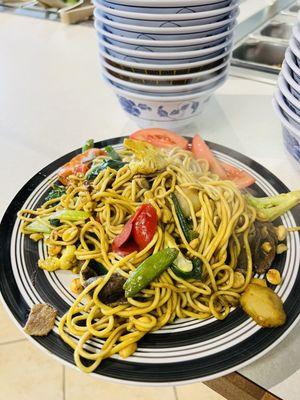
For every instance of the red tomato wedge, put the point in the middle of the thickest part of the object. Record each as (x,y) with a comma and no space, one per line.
(241,178)
(137,232)
(78,164)
(201,150)
(160,138)
(225,171)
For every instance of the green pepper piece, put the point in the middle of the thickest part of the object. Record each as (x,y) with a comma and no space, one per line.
(70,215)
(55,222)
(112,153)
(149,270)
(89,144)
(197,268)
(181,217)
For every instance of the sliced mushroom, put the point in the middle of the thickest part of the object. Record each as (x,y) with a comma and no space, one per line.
(263,244)
(40,320)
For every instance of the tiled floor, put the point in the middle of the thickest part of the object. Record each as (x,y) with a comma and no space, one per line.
(27,373)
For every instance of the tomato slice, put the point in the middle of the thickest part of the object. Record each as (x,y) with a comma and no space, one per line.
(78,164)
(201,150)
(241,178)
(160,138)
(137,232)
(144,226)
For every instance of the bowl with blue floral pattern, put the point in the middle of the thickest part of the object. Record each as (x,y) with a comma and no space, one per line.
(169,111)
(148,43)
(289,99)
(170,68)
(170,35)
(294,47)
(183,8)
(111,39)
(291,62)
(292,84)
(291,135)
(165,79)
(143,61)
(166,20)
(187,88)
(289,114)
(171,29)
(175,56)
(163,3)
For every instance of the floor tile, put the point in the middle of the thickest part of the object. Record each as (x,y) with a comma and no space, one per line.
(81,386)
(197,391)
(9,331)
(27,373)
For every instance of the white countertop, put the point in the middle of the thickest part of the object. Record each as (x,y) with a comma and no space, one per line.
(52,99)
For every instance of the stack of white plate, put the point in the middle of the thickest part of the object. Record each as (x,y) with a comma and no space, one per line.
(165,58)
(287,96)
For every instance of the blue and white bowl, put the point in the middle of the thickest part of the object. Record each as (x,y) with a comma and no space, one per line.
(291,136)
(296,33)
(109,38)
(166,20)
(173,29)
(163,80)
(170,68)
(289,114)
(172,89)
(172,35)
(291,101)
(167,45)
(171,112)
(158,4)
(182,9)
(168,24)
(293,85)
(143,61)
(290,60)
(139,42)
(295,50)
(148,56)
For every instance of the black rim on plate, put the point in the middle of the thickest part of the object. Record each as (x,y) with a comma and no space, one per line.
(186,351)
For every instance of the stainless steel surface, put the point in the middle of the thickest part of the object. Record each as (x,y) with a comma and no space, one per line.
(258,54)
(292,10)
(262,41)
(277,29)
(251,24)
(295,8)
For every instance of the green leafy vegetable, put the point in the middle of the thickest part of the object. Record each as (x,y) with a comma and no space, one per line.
(56,192)
(112,153)
(270,208)
(89,144)
(113,164)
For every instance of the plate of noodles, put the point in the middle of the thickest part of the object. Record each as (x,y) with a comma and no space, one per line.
(154,259)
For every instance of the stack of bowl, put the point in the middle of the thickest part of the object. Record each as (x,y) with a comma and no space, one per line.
(164,59)
(287,96)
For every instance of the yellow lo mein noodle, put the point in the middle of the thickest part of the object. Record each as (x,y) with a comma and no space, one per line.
(112,198)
